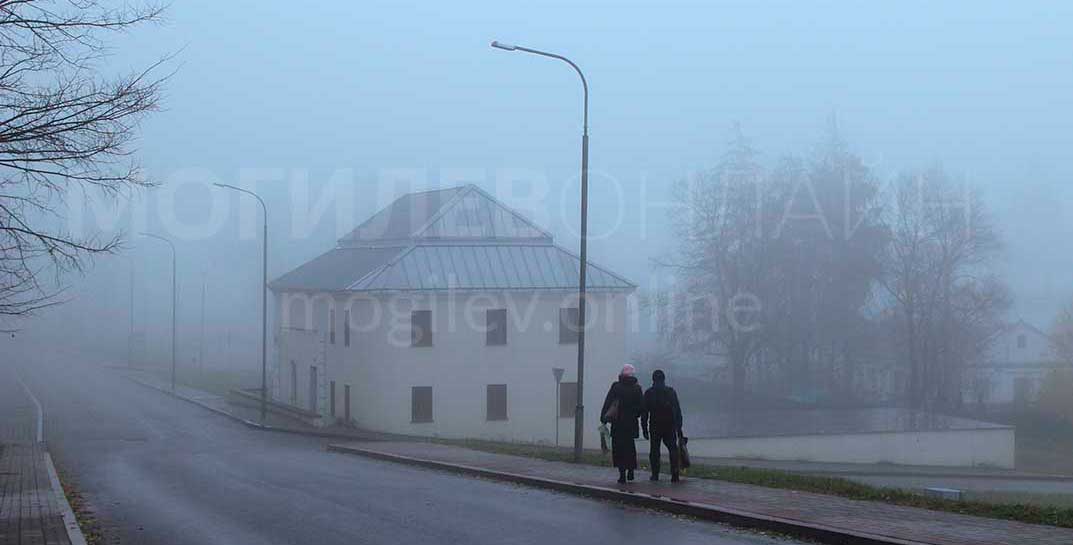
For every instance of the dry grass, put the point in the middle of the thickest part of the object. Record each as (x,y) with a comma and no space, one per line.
(1018,510)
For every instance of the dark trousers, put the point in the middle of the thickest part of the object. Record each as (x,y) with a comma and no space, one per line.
(668,438)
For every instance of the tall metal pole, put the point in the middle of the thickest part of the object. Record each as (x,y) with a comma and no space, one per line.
(264,315)
(174,300)
(201,343)
(579,427)
(264,299)
(130,334)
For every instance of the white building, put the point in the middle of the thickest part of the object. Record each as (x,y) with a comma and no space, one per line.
(444,315)
(1014,370)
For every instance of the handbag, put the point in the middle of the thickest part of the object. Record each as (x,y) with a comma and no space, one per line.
(612,412)
(683,453)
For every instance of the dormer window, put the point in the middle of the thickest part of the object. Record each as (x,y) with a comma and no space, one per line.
(1022,341)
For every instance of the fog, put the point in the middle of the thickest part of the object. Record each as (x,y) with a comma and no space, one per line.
(330,112)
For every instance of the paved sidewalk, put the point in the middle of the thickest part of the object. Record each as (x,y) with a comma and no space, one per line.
(858,521)
(247,414)
(30,510)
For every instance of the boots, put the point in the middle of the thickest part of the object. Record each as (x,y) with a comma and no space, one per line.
(621,476)
(629,474)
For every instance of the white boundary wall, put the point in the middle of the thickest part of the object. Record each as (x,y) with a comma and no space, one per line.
(982,447)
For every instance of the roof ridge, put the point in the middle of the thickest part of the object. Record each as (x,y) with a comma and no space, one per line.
(371,275)
(474,188)
(512,211)
(452,202)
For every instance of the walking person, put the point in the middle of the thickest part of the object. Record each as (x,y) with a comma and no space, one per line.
(661,421)
(622,408)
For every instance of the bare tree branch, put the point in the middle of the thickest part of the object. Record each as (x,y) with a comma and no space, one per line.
(63,125)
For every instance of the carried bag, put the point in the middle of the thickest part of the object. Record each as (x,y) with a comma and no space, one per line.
(612,412)
(605,435)
(683,453)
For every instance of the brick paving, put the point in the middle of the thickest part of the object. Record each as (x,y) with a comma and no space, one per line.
(30,513)
(890,521)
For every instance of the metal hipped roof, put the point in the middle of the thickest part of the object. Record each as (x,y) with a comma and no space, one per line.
(459,213)
(487,267)
(336,269)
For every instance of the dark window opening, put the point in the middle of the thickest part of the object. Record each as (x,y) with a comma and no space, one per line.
(496,332)
(421,328)
(567,399)
(421,404)
(346,327)
(346,403)
(331,401)
(568,325)
(331,326)
(497,402)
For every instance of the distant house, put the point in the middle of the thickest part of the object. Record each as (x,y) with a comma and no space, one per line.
(444,314)
(1014,369)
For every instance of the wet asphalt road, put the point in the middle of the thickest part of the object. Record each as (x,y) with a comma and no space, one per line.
(158,470)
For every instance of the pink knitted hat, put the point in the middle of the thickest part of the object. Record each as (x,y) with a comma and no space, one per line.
(628,370)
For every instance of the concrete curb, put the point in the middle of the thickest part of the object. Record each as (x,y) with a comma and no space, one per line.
(715,513)
(70,521)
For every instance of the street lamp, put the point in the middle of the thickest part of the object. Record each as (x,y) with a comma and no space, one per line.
(264,299)
(173,300)
(579,414)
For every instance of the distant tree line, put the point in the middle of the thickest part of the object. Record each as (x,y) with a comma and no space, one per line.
(802,269)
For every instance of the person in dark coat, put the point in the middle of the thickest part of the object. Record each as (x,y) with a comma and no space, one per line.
(661,421)
(622,408)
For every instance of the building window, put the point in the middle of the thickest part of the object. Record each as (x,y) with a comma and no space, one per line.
(567,399)
(331,326)
(421,404)
(294,383)
(331,401)
(346,403)
(421,328)
(1022,341)
(568,325)
(497,402)
(496,327)
(346,327)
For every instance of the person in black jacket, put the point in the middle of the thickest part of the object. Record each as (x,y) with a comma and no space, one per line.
(622,408)
(661,421)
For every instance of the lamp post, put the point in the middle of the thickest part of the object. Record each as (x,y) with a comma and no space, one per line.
(579,413)
(173,301)
(264,298)
(130,316)
(201,341)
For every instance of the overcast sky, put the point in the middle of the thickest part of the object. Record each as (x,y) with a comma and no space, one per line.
(384,88)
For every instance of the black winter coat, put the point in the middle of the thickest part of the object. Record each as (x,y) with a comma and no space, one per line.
(661,409)
(630,405)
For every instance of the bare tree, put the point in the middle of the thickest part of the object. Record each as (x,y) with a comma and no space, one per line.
(1062,334)
(63,126)
(722,224)
(827,257)
(947,301)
